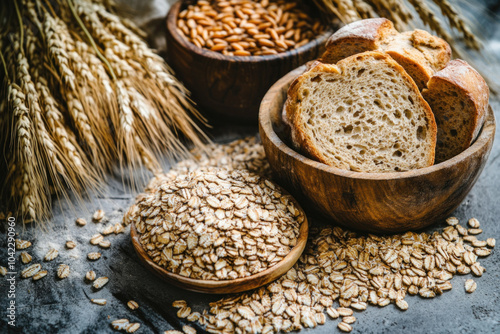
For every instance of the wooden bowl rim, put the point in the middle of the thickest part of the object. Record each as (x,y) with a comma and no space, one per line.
(172,27)
(265,120)
(220,287)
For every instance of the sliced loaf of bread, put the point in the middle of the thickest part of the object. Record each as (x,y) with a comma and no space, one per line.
(458,96)
(420,53)
(362,114)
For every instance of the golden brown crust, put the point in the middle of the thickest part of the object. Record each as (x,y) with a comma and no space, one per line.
(357,37)
(467,80)
(420,53)
(292,117)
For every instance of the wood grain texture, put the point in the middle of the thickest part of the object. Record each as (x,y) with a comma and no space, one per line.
(374,202)
(231,86)
(227,286)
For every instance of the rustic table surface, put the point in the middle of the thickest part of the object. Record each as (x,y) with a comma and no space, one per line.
(51,305)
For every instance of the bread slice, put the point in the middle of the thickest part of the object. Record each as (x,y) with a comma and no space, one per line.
(363,114)
(458,96)
(420,53)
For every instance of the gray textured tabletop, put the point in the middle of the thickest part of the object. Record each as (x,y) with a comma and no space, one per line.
(51,305)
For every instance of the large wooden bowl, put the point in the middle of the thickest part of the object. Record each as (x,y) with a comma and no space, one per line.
(227,286)
(231,87)
(374,202)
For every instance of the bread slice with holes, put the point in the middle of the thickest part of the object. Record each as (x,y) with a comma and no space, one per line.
(458,96)
(363,114)
(420,53)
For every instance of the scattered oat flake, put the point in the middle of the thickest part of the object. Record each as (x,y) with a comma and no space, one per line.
(3,271)
(188,329)
(132,305)
(344,311)
(96,239)
(100,282)
(99,301)
(25,258)
(179,303)
(475,231)
(31,270)
(40,274)
(172,331)
(184,312)
(349,320)
(70,244)
(491,242)
(81,222)
(98,216)
(94,256)
(474,223)
(105,244)
(120,324)
(90,275)
(470,286)
(63,271)
(22,244)
(344,327)
(131,328)
(108,230)
(119,228)
(452,221)
(51,254)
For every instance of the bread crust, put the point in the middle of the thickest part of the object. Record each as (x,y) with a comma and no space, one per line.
(357,37)
(420,53)
(291,116)
(470,83)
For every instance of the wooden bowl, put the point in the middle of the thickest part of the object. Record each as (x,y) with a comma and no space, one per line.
(227,286)
(374,202)
(231,86)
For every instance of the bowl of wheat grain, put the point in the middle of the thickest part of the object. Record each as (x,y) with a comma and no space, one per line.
(229,53)
(374,202)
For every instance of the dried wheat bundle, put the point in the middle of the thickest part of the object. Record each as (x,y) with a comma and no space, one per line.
(397,11)
(81,91)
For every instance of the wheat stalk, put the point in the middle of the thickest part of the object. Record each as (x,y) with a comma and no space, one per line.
(76,105)
(457,22)
(349,11)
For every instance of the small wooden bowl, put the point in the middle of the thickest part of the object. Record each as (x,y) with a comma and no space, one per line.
(227,286)
(230,86)
(374,202)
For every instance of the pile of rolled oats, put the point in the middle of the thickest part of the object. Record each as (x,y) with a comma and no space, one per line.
(216,224)
(340,267)
(339,272)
